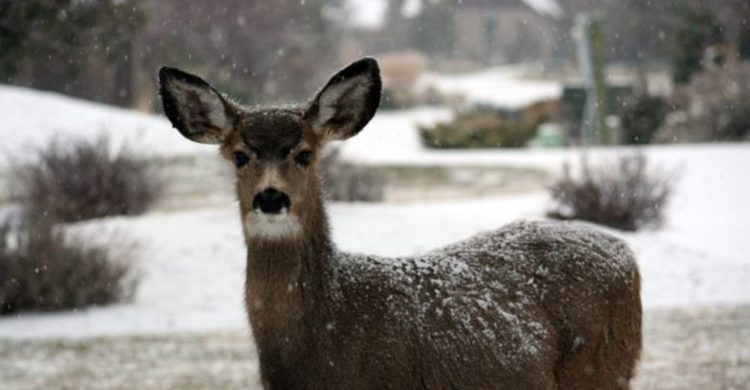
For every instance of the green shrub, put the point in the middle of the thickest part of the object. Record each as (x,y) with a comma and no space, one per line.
(42,270)
(481,128)
(77,180)
(623,195)
(697,30)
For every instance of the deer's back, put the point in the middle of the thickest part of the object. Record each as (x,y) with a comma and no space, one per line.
(485,312)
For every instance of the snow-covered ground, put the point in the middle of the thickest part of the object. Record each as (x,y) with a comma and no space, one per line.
(31,118)
(370,14)
(191,263)
(509,87)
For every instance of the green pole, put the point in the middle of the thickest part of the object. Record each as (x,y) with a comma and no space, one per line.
(596,36)
(589,33)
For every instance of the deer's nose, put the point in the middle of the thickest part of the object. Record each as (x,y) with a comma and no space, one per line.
(271,201)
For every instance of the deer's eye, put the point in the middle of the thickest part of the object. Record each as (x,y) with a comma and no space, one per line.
(240,159)
(303,158)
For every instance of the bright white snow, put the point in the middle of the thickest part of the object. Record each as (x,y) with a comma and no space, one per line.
(508,87)
(371,13)
(31,118)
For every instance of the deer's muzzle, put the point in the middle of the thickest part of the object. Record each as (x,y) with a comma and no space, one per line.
(271,201)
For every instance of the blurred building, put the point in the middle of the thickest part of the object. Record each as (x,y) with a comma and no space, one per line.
(505,31)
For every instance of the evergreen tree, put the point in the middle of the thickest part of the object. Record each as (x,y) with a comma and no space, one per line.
(70,46)
(254,50)
(744,42)
(697,31)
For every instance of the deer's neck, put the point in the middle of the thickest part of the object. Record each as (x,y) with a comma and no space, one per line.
(287,284)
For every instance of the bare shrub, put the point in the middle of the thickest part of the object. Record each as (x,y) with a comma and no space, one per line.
(622,194)
(41,269)
(79,180)
(348,183)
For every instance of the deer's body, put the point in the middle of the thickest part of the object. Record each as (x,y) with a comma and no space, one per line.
(510,309)
(535,305)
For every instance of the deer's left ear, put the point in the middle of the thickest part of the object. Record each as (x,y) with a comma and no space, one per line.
(349,100)
(195,108)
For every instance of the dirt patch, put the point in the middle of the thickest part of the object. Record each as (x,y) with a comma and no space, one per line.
(685,349)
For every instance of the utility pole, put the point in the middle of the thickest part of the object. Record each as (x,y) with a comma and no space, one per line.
(589,35)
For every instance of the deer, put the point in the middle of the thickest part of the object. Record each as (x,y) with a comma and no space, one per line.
(531,305)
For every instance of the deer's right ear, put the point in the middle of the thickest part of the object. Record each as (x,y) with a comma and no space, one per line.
(197,110)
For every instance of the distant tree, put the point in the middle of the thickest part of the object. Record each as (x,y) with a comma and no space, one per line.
(644,30)
(714,106)
(698,31)
(254,50)
(636,29)
(36,30)
(744,42)
(433,29)
(75,47)
(122,35)
(395,33)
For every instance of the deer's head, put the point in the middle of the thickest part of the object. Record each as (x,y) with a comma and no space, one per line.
(275,150)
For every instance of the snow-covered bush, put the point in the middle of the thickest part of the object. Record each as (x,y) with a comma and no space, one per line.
(484,128)
(622,194)
(42,269)
(348,183)
(77,180)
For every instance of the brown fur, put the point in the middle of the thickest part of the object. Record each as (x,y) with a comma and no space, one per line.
(530,306)
(289,290)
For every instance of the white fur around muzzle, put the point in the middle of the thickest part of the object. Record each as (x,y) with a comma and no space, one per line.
(271,226)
